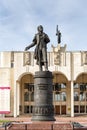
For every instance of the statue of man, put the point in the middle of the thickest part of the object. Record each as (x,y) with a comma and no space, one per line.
(40,40)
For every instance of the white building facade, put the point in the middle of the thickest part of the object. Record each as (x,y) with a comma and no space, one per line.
(69,70)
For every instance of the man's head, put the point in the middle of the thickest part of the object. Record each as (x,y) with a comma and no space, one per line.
(40,28)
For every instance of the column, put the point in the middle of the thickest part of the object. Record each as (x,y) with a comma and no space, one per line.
(15,100)
(72,99)
(18,97)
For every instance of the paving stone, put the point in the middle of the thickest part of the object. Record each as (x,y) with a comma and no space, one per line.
(18,127)
(62,126)
(39,127)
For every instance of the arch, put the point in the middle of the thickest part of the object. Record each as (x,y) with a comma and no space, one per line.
(26,92)
(24,74)
(81,78)
(59,77)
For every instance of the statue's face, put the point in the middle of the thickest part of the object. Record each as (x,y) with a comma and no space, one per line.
(40,29)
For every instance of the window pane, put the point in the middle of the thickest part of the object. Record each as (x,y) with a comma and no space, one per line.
(82,87)
(82,96)
(26,109)
(63,85)
(82,109)
(29,86)
(76,109)
(76,96)
(32,96)
(76,85)
(57,87)
(26,96)
(26,86)
(63,96)
(57,96)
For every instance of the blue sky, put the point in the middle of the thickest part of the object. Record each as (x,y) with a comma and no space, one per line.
(19,20)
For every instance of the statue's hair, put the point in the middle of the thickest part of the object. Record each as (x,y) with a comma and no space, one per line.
(40,26)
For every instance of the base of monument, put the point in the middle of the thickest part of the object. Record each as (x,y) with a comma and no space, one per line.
(43,118)
(43,109)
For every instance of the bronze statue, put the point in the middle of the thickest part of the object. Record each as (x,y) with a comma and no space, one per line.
(58,33)
(40,40)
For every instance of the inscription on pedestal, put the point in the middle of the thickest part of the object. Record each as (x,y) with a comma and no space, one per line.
(42,86)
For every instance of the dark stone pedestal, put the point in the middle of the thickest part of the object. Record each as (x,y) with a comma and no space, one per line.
(43,109)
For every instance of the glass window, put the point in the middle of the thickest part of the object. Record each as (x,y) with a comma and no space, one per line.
(76,85)
(57,96)
(31,109)
(32,96)
(57,87)
(82,109)
(29,87)
(26,109)
(63,96)
(26,96)
(82,87)
(26,86)
(76,109)
(82,96)
(63,85)
(76,96)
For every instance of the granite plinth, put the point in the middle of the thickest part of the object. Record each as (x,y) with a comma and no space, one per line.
(43,109)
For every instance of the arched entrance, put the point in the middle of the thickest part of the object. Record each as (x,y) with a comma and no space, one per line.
(80,94)
(61,95)
(60,87)
(26,94)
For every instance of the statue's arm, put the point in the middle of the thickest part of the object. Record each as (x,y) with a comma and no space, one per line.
(32,44)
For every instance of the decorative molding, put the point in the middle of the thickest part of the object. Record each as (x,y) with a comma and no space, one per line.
(43,110)
(57,58)
(84,58)
(26,58)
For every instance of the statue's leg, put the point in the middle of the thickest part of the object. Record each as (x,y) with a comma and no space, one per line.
(40,63)
(44,51)
(46,66)
(40,66)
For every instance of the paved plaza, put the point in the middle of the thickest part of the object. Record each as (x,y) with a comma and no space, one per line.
(61,123)
(60,119)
